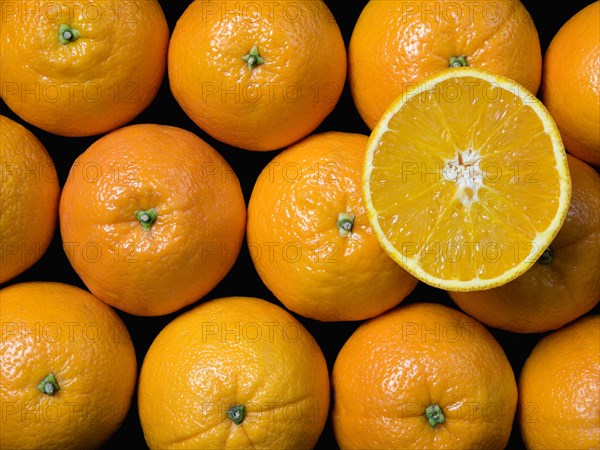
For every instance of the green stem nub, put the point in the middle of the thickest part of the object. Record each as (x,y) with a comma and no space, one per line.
(546,257)
(458,61)
(67,34)
(49,385)
(434,415)
(253,58)
(237,413)
(345,221)
(147,218)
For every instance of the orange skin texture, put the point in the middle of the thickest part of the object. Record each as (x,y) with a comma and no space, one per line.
(547,297)
(559,389)
(29,200)
(397,364)
(62,329)
(396,44)
(571,83)
(91,85)
(294,240)
(199,366)
(195,239)
(275,103)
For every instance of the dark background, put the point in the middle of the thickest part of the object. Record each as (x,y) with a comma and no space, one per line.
(242,279)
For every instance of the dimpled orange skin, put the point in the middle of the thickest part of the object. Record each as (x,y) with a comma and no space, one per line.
(548,296)
(195,239)
(294,239)
(396,44)
(397,364)
(93,84)
(571,83)
(234,351)
(62,329)
(559,389)
(29,200)
(275,103)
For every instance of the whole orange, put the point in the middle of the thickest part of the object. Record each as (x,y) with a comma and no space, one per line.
(396,44)
(152,218)
(234,372)
(571,84)
(80,68)
(564,283)
(422,376)
(257,75)
(68,368)
(309,235)
(29,200)
(559,387)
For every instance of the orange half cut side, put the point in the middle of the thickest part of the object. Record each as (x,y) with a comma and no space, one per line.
(465,180)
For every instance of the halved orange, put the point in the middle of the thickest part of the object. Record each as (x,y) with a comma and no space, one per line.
(466,180)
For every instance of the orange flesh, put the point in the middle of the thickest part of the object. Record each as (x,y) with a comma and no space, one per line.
(473,197)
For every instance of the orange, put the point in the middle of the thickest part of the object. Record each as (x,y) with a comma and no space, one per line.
(80,68)
(68,368)
(559,386)
(396,44)
(151,218)
(466,180)
(422,376)
(29,200)
(571,84)
(258,75)
(234,372)
(309,236)
(564,283)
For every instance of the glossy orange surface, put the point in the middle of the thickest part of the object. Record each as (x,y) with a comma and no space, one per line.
(274,103)
(395,44)
(29,200)
(297,246)
(571,83)
(228,352)
(197,234)
(59,329)
(398,364)
(95,83)
(563,411)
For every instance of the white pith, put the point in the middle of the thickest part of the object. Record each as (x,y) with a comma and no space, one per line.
(465,171)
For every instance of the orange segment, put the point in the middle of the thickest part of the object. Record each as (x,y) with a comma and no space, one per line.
(466,180)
